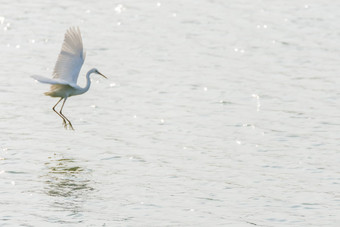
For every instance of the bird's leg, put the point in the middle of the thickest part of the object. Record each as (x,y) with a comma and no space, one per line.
(60,115)
(69,122)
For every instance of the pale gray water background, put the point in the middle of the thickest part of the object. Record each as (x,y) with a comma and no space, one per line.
(215,113)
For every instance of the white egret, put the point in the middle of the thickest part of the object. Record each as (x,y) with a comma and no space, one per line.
(66,71)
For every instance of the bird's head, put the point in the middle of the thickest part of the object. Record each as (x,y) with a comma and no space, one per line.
(97,72)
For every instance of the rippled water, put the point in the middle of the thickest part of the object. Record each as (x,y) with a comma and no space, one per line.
(215,113)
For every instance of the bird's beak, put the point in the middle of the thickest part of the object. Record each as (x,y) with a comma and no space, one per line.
(102,75)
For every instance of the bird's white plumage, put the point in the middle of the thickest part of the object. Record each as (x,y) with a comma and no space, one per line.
(71,57)
(66,72)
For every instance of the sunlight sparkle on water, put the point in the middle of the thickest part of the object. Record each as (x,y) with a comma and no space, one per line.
(264,26)
(119,8)
(239,50)
(248,125)
(258,101)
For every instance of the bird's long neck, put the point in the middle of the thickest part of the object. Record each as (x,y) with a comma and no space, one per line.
(88,82)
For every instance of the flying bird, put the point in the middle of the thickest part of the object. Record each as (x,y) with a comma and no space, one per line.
(66,72)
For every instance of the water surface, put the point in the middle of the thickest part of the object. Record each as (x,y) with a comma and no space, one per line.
(215,113)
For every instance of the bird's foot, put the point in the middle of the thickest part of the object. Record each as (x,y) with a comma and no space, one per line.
(65,124)
(70,126)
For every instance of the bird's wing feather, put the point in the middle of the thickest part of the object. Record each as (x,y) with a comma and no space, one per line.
(46,80)
(71,57)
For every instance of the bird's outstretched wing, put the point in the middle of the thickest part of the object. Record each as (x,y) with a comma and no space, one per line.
(71,57)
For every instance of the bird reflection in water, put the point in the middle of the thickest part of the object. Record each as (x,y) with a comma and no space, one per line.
(68,183)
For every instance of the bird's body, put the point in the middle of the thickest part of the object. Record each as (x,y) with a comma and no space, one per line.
(62,90)
(66,71)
